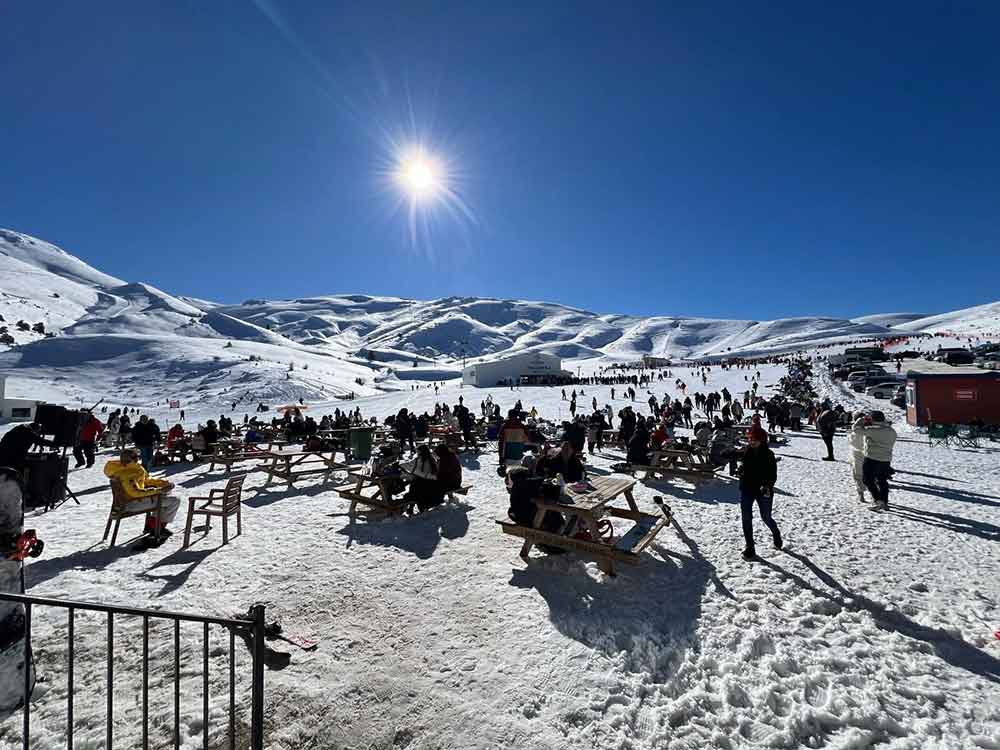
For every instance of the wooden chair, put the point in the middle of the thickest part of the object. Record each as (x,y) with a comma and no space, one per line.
(120,509)
(224,503)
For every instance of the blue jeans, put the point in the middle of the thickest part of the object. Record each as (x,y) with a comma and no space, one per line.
(146,456)
(764,504)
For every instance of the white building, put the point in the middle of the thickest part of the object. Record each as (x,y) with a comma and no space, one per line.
(15,409)
(532,366)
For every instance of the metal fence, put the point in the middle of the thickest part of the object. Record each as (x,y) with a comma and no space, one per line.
(250,630)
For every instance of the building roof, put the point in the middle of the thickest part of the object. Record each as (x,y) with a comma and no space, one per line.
(925,368)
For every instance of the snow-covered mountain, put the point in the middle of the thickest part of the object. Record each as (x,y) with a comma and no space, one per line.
(161,345)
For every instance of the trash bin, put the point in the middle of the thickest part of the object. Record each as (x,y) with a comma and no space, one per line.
(359,442)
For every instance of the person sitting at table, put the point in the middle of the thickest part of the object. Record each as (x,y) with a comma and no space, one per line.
(564,461)
(421,426)
(403,425)
(142,490)
(659,437)
(638,446)
(449,473)
(177,441)
(310,426)
(524,490)
(211,435)
(424,491)
(575,433)
(512,438)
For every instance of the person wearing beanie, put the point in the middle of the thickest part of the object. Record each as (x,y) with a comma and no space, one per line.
(760,472)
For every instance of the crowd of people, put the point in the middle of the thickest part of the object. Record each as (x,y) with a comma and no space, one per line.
(726,428)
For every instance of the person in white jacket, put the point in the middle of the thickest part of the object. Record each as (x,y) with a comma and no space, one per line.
(877,467)
(856,439)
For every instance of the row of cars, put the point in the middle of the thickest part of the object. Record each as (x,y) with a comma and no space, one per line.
(873,380)
(986,356)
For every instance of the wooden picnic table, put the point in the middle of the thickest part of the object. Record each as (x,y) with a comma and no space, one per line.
(383,498)
(582,508)
(675,462)
(295,463)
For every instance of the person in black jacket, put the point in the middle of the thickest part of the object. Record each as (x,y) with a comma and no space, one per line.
(638,446)
(144,435)
(565,462)
(826,423)
(524,490)
(15,445)
(760,472)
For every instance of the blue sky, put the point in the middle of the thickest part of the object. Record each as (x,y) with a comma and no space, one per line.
(728,159)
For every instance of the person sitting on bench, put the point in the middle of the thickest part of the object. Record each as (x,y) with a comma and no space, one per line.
(424,491)
(449,473)
(142,490)
(638,446)
(512,437)
(524,490)
(176,441)
(211,435)
(565,461)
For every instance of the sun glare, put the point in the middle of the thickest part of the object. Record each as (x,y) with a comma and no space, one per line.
(419,175)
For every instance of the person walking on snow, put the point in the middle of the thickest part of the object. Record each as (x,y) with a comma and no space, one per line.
(760,472)
(879,440)
(856,439)
(826,423)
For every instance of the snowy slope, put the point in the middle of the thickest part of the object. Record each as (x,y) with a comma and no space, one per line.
(373,339)
(868,630)
(889,320)
(982,320)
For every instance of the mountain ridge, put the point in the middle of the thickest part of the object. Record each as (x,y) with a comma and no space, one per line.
(357,342)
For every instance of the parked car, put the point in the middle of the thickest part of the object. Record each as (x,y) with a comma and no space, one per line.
(989,361)
(958,358)
(883,390)
(899,400)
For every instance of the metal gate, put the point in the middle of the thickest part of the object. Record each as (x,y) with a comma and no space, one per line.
(250,630)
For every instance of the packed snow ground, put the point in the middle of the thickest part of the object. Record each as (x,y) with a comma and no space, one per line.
(868,630)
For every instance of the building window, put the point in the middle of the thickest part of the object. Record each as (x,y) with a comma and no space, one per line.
(911,395)
(20,413)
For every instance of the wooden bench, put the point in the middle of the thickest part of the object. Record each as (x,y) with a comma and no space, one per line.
(626,548)
(381,499)
(463,490)
(225,456)
(120,510)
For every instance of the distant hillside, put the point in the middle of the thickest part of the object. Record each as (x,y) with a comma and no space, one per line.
(146,343)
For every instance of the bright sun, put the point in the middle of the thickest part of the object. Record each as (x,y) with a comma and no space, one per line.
(419,175)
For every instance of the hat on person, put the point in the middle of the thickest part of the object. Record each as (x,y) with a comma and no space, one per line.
(877,416)
(757,433)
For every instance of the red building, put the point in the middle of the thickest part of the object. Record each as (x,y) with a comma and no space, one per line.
(942,394)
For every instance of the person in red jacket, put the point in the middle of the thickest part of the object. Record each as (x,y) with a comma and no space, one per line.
(90,432)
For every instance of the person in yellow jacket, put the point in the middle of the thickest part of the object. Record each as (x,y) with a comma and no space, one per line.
(142,490)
